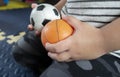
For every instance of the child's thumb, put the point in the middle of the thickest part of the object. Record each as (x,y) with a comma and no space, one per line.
(72,21)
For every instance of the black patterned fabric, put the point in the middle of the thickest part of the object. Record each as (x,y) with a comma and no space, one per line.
(105,66)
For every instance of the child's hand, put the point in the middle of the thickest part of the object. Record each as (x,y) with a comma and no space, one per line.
(86,43)
(30,27)
(59,6)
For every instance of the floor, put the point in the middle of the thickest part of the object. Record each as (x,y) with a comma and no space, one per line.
(14,4)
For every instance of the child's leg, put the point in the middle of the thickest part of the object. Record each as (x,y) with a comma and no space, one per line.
(29,52)
(106,66)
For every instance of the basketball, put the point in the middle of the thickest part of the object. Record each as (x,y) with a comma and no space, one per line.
(55,31)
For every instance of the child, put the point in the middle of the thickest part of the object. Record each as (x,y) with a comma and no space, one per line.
(87,53)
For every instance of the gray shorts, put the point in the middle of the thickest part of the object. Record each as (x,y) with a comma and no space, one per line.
(106,66)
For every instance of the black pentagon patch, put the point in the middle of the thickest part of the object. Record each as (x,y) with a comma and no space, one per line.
(56,12)
(32,22)
(40,8)
(45,22)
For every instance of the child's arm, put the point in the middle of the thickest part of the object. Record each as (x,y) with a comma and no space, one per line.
(60,4)
(87,42)
(112,35)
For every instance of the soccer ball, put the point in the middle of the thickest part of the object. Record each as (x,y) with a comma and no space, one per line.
(42,14)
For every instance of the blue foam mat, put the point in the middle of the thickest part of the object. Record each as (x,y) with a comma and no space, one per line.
(12,22)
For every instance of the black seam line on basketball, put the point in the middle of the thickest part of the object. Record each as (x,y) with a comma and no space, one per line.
(57,29)
(94,15)
(92,1)
(111,8)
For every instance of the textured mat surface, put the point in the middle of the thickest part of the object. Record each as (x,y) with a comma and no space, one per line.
(13,25)
(14,4)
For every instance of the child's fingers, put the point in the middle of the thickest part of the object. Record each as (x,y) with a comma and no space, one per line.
(62,57)
(74,22)
(30,27)
(34,5)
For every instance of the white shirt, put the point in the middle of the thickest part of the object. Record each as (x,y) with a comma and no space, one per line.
(95,12)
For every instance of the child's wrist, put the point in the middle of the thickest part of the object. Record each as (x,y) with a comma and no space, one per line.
(107,41)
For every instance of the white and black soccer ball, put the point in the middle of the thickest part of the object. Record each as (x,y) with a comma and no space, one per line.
(42,14)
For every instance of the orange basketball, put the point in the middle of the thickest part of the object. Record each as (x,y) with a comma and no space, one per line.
(55,31)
